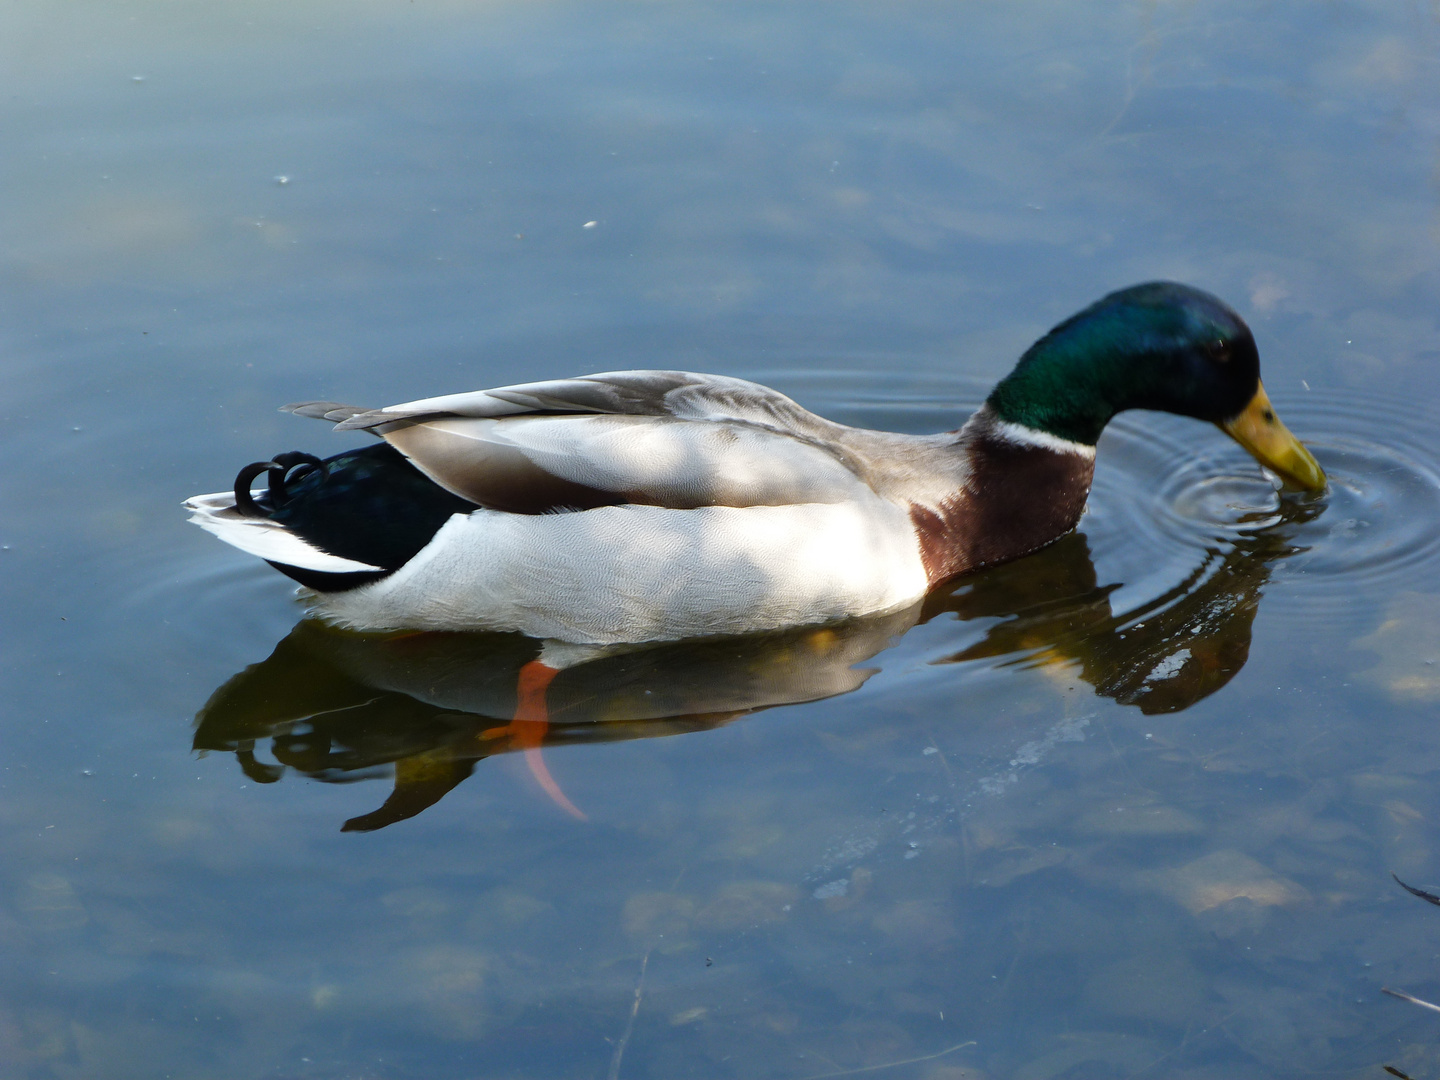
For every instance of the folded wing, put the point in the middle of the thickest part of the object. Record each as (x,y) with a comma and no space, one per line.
(662,438)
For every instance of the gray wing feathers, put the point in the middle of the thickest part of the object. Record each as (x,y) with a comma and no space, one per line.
(681,394)
(324,410)
(633,393)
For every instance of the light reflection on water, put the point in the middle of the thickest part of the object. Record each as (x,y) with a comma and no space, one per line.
(1126,808)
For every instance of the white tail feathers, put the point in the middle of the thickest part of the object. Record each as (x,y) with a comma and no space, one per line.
(265,539)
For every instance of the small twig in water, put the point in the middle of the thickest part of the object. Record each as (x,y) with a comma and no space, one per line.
(890,1064)
(1396,1072)
(614,1073)
(1417,892)
(1412,1000)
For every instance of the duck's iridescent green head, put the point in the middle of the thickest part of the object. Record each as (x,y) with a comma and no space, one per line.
(1161,346)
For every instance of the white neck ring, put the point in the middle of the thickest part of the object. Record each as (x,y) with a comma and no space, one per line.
(1020,435)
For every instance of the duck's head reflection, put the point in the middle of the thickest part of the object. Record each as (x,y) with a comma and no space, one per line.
(340,706)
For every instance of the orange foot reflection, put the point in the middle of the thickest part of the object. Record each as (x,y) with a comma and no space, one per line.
(527,730)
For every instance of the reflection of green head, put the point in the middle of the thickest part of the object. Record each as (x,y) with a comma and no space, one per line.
(1157,346)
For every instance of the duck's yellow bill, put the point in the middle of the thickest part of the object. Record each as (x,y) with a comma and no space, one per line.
(1260,431)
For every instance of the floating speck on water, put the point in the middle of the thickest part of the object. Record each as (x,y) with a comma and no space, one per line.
(137,78)
(282,180)
(590,224)
(87,772)
(930,750)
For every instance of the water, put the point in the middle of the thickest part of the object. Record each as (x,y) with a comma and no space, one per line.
(1127,808)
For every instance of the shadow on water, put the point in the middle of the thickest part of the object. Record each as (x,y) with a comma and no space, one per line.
(339,706)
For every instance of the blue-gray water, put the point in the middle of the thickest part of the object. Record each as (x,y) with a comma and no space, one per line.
(1128,808)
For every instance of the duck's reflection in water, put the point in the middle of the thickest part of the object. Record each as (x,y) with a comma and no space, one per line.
(340,706)
(1162,656)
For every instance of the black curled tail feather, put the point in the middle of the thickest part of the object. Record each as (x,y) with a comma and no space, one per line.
(291,468)
(244,501)
(281,470)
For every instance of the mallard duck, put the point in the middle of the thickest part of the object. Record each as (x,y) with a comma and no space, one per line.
(652,505)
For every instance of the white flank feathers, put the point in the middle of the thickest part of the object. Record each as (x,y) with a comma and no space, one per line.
(647,573)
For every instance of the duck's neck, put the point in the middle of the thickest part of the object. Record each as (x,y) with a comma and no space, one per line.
(1025,488)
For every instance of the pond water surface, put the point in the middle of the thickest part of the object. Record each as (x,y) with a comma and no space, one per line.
(1127,808)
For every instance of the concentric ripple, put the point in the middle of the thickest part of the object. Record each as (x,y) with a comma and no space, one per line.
(1164,485)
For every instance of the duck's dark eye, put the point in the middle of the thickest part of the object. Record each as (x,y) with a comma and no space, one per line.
(1219,351)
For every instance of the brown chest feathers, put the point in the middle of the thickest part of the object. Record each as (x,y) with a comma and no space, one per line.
(1017,499)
